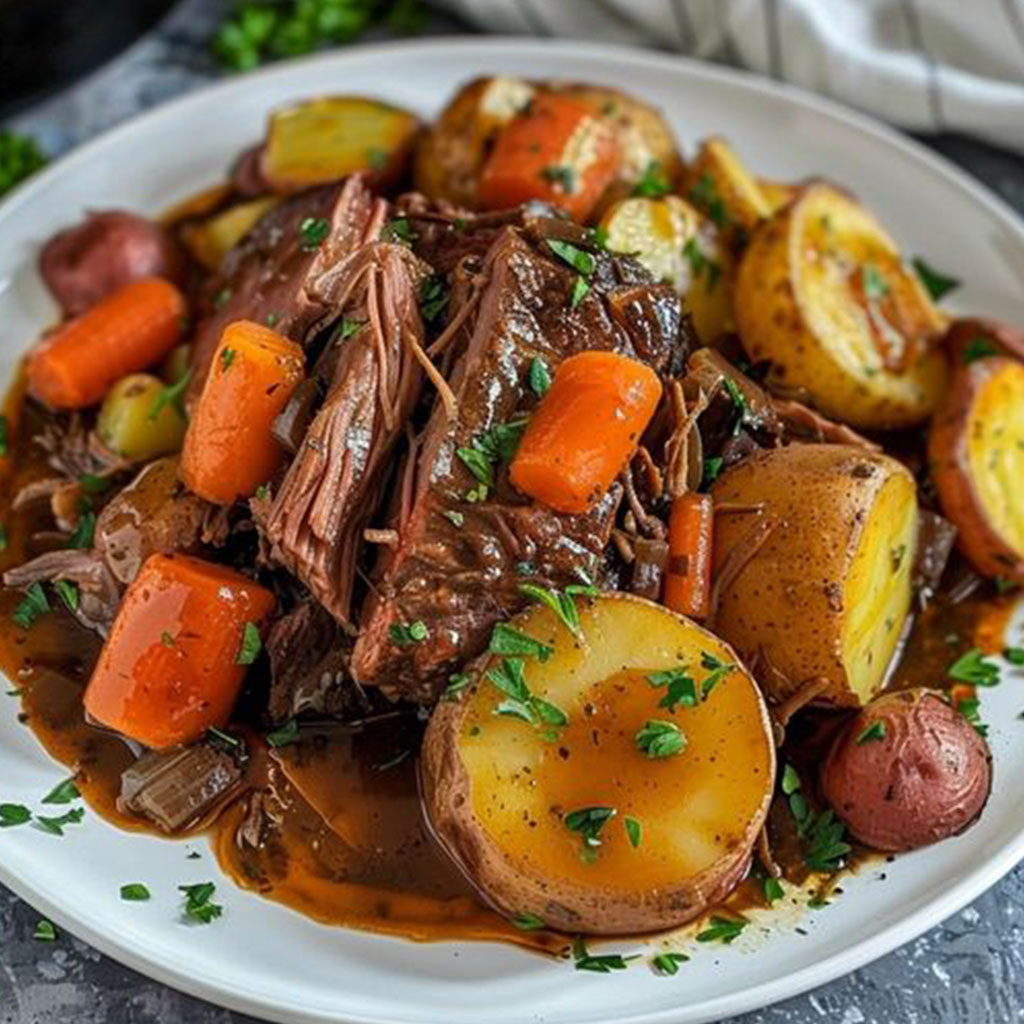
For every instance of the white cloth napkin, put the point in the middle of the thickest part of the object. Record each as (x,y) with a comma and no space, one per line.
(927,65)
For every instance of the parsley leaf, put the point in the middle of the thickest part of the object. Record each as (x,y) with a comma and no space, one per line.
(717,671)
(527,922)
(81,538)
(45,931)
(772,889)
(507,640)
(936,283)
(456,684)
(681,689)
(653,182)
(722,929)
(398,231)
(68,593)
(705,195)
(540,377)
(227,357)
(579,259)
(969,708)
(173,395)
(668,963)
(135,892)
(433,298)
(588,822)
(873,733)
(562,603)
(251,646)
(973,667)
(285,735)
(579,291)
(198,906)
(63,793)
(31,606)
(405,635)
(634,831)
(12,815)
(55,825)
(20,157)
(313,232)
(659,739)
(603,964)
(978,347)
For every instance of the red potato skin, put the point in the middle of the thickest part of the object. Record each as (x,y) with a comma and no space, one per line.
(948,458)
(110,248)
(925,780)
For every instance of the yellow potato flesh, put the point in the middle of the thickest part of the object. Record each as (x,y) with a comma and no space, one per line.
(211,240)
(877,592)
(326,139)
(694,808)
(718,173)
(995,452)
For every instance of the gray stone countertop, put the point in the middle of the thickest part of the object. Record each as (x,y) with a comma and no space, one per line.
(969,970)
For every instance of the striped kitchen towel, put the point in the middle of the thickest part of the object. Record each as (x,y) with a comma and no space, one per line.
(927,65)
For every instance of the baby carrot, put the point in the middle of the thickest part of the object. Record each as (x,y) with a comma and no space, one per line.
(229,450)
(127,331)
(175,659)
(690,533)
(585,429)
(557,150)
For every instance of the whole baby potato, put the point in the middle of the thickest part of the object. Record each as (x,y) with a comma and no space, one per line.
(908,771)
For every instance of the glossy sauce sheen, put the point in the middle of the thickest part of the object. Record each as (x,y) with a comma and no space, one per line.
(350,846)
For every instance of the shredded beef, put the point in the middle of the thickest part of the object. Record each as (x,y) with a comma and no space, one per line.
(455,565)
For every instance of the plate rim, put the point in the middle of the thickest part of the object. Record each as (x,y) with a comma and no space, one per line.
(760,995)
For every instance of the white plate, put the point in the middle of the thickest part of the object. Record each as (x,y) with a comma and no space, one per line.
(266,960)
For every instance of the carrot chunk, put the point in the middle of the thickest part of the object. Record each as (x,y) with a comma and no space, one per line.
(173,664)
(690,534)
(585,429)
(557,150)
(229,449)
(127,331)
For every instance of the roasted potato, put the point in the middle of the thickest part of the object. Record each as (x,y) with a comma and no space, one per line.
(451,152)
(907,771)
(137,420)
(815,577)
(976,453)
(594,793)
(823,295)
(724,190)
(677,245)
(210,240)
(322,140)
(777,193)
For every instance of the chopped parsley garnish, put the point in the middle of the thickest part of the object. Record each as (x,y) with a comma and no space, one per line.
(790,780)
(562,603)
(978,347)
(705,195)
(456,684)
(198,906)
(313,231)
(973,667)
(699,263)
(659,739)
(1014,655)
(399,231)
(540,377)
(969,708)
(93,484)
(12,815)
(634,831)
(433,298)
(653,182)
(871,280)
(56,825)
(457,519)
(579,291)
(527,922)
(227,357)
(173,395)
(406,634)
(681,690)
(81,537)
(477,494)
(579,259)
(772,889)
(717,671)
(508,676)
(45,931)
(874,732)
(603,964)
(498,444)
(588,822)
(821,835)
(31,606)
(285,735)
(560,175)
(722,929)
(20,157)
(936,283)
(65,792)
(226,741)
(478,464)
(739,401)
(134,892)
(668,963)
(68,593)
(347,328)
(508,641)
(5,436)
(712,468)
(252,644)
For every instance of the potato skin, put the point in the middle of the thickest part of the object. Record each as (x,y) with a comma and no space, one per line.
(990,551)
(563,903)
(926,779)
(794,309)
(787,603)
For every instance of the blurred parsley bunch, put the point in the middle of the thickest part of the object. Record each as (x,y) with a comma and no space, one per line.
(287,28)
(19,157)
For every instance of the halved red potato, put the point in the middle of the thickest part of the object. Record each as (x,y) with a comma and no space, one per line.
(814,577)
(976,452)
(673,820)
(322,140)
(823,295)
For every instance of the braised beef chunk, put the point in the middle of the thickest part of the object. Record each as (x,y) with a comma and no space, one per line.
(309,666)
(270,276)
(460,554)
(332,488)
